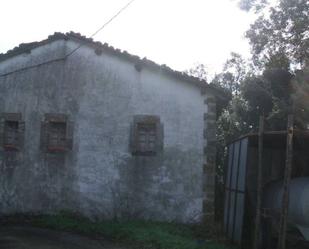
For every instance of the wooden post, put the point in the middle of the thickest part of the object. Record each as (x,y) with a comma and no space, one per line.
(286,185)
(259,185)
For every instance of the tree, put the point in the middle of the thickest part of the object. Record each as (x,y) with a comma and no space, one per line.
(269,83)
(279,39)
(282,29)
(257,5)
(234,71)
(300,98)
(267,94)
(199,70)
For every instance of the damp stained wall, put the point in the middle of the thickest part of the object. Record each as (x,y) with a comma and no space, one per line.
(99,177)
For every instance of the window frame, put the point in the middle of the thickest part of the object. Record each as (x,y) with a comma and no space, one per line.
(19,131)
(11,133)
(56,133)
(135,142)
(47,130)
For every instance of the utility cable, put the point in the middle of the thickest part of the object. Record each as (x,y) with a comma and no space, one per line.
(102,27)
(74,50)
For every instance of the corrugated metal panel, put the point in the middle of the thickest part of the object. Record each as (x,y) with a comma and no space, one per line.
(226,210)
(227,187)
(233,185)
(230,165)
(235,189)
(231,215)
(239,217)
(242,167)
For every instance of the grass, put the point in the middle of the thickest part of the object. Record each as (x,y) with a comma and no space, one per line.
(139,234)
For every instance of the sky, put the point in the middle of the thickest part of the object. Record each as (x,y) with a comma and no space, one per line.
(178,33)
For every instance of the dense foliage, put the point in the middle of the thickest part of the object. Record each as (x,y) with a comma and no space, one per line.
(282,29)
(275,81)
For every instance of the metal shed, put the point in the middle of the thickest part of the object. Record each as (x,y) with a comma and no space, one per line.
(241,181)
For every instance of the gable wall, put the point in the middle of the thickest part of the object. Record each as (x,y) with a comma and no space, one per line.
(99,177)
(30,180)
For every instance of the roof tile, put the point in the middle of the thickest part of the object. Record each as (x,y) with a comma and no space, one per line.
(27,47)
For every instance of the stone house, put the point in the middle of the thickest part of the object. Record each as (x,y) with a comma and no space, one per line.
(103,133)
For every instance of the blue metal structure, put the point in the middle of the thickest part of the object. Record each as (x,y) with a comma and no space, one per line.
(241,180)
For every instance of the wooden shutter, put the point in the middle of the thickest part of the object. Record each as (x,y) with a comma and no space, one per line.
(21,134)
(2,124)
(69,135)
(160,137)
(133,138)
(146,120)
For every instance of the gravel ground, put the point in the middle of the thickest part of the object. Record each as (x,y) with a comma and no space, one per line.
(35,238)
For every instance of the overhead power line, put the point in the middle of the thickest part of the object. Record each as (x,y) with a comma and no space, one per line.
(103,26)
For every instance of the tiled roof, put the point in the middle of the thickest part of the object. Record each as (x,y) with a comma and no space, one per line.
(100,47)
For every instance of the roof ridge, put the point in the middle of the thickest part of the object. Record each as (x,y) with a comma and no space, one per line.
(100,47)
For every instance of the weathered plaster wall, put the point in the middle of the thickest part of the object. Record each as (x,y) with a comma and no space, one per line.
(99,177)
(30,180)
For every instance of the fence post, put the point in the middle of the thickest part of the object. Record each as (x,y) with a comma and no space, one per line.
(286,184)
(259,185)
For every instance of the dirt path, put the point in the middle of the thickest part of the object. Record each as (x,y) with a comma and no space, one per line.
(35,238)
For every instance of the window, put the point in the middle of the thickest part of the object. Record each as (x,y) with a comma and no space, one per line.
(11,134)
(57,136)
(56,133)
(147,135)
(12,131)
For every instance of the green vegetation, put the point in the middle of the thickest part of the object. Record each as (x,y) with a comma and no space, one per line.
(139,234)
(273,83)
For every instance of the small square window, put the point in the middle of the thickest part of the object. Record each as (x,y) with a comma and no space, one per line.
(57,136)
(56,133)
(11,134)
(147,135)
(12,131)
